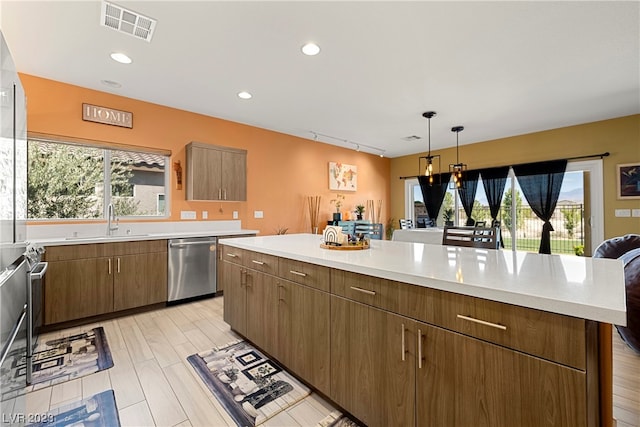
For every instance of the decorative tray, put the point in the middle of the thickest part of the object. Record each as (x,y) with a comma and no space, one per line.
(347,247)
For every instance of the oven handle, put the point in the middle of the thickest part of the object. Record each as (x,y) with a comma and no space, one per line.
(40,274)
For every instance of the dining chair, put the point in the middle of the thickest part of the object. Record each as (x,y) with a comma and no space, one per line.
(480,224)
(472,237)
(406,223)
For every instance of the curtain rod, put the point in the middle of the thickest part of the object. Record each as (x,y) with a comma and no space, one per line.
(601,155)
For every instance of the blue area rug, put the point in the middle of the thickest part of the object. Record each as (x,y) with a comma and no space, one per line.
(251,387)
(99,410)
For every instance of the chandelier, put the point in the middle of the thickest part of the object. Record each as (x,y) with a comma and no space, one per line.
(457,169)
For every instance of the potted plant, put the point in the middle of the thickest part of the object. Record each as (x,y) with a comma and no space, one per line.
(359,211)
(447,215)
(337,216)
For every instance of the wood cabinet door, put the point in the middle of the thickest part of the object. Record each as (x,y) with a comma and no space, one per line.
(368,373)
(464,381)
(304,326)
(235,297)
(139,280)
(204,175)
(262,316)
(234,176)
(77,288)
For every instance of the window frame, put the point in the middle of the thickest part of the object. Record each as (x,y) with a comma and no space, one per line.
(108,148)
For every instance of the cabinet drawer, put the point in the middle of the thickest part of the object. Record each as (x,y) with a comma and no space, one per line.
(70,252)
(261,262)
(233,255)
(369,290)
(548,335)
(315,276)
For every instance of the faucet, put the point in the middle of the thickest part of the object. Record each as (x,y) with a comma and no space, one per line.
(111,216)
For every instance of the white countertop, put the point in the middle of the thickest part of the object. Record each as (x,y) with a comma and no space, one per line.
(95,231)
(589,288)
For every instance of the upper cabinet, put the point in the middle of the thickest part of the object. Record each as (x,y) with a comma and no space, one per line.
(216,173)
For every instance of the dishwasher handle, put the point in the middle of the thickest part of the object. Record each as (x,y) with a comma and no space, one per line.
(180,245)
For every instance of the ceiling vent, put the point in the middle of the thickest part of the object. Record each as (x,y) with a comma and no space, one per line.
(411,138)
(127,21)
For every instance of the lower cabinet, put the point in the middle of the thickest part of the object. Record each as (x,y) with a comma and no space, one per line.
(139,280)
(77,288)
(463,381)
(372,363)
(88,280)
(235,297)
(304,343)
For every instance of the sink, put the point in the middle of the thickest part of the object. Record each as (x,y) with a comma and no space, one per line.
(103,237)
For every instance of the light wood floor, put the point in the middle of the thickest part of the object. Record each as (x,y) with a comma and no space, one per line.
(155,385)
(626,384)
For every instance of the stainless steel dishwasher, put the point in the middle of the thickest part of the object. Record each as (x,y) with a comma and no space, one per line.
(192,268)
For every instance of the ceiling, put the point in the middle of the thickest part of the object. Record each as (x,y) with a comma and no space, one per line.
(497,68)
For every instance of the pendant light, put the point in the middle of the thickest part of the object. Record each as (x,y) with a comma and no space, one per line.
(458,168)
(428,171)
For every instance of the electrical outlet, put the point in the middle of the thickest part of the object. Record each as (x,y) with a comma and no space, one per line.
(205,214)
(235,214)
(635,212)
(258,214)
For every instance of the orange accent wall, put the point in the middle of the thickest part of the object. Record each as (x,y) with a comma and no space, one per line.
(281,169)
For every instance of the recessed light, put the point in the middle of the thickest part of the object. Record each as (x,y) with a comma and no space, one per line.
(244,95)
(111,83)
(121,58)
(310,49)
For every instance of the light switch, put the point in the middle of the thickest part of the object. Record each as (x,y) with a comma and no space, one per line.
(258,214)
(623,213)
(205,214)
(635,212)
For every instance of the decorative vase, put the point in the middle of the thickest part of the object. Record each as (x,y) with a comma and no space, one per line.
(359,217)
(337,216)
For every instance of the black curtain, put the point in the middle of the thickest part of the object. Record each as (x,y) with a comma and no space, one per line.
(540,183)
(433,194)
(467,192)
(493,181)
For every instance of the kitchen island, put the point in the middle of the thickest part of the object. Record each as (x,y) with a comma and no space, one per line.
(415,334)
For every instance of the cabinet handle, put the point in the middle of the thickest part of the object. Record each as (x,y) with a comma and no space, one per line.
(232,255)
(419,349)
(219,193)
(297,273)
(280,287)
(243,277)
(482,322)
(118,265)
(257,262)
(109,262)
(364,291)
(225,194)
(403,350)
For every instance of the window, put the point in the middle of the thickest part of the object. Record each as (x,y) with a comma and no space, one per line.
(68,181)
(577,219)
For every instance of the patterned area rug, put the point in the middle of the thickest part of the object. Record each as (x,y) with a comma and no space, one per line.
(99,410)
(337,419)
(60,360)
(251,387)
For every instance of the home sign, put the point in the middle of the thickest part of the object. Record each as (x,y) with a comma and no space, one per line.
(107,116)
